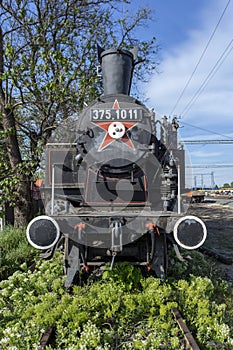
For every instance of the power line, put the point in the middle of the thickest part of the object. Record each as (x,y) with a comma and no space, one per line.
(213,142)
(201,166)
(204,129)
(213,71)
(203,53)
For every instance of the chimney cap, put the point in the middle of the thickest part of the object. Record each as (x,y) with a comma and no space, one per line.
(102,52)
(113,52)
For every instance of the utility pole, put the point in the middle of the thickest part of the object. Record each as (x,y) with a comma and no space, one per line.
(212,179)
(202,180)
(195,182)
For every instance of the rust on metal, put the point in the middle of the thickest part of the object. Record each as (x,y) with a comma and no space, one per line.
(191,343)
(45,338)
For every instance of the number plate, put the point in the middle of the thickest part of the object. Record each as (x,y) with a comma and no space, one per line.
(122,114)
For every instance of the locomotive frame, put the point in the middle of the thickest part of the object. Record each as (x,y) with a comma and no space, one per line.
(113,192)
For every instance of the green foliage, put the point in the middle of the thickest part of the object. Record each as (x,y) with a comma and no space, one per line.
(205,316)
(49,54)
(195,264)
(125,274)
(111,313)
(226,185)
(14,251)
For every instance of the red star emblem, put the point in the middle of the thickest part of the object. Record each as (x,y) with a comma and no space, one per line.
(116,130)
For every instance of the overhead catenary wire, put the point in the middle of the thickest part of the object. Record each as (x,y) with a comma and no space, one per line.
(211,74)
(202,55)
(207,130)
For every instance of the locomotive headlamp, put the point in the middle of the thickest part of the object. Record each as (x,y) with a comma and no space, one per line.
(43,232)
(190,232)
(116,130)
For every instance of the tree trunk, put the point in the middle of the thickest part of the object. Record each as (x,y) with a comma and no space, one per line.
(23,208)
(23,211)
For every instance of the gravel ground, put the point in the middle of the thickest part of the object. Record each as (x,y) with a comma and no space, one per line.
(218,217)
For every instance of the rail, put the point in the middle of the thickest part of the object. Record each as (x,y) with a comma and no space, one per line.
(46,338)
(189,340)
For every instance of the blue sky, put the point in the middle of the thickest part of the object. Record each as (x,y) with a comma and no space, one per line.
(183,29)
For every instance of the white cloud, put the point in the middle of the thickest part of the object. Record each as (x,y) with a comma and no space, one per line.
(203,154)
(213,110)
(215,103)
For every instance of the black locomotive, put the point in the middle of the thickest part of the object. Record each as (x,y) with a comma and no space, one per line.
(114,178)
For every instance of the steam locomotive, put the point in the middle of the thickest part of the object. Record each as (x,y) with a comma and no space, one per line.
(114,178)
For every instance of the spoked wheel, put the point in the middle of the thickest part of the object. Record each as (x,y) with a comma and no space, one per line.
(159,258)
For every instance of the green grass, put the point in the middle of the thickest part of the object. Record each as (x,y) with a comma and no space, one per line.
(14,251)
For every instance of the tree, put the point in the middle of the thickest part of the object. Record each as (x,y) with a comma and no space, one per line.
(47,72)
(226,185)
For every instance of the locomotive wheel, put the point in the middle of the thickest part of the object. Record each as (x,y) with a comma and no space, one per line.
(159,258)
(71,261)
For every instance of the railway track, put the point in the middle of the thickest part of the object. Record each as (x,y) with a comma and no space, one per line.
(46,338)
(190,343)
(189,339)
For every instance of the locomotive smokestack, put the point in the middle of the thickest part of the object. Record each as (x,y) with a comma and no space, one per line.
(117,70)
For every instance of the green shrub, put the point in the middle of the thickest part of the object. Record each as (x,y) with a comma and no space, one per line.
(129,313)
(195,264)
(14,251)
